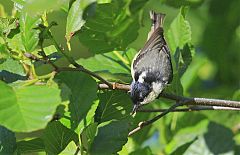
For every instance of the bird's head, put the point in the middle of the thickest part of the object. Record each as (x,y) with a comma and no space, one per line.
(139,91)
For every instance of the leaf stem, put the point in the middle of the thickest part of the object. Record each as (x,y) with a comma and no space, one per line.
(121,57)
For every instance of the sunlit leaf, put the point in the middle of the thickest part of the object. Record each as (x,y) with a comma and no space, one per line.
(32,106)
(29,33)
(74,19)
(12,66)
(179,32)
(70,149)
(37,7)
(212,143)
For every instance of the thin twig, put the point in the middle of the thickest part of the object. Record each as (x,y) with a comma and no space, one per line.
(146,123)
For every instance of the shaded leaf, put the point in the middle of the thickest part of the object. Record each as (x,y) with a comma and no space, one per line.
(111,63)
(137,5)
(110,138)
(180,3)
(83,93)
(144,151)
(56,137)
(87,136)
(32,106)
(108,27)
(183,58)
(114,105)
(29,33)
(7,141)
(30,146)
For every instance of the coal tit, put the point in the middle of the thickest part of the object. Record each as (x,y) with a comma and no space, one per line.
(151,67)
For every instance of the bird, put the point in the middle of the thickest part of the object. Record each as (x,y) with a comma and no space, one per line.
(151,68)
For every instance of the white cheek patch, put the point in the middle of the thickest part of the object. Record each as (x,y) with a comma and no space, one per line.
(157,89)
(141,77)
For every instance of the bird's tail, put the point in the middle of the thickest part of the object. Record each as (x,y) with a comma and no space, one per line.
(157,21)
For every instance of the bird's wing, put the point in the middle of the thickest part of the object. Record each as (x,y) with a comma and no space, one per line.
(154,58)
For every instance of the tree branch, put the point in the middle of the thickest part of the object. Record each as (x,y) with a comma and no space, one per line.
(191,109)
(185,100)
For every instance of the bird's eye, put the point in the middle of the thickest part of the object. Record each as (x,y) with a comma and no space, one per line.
(141,99)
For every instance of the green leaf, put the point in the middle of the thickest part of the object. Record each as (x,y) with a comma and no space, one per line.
(108,27)
(183,58)
(110,138)
(144,151)
(186,135)
(29,33)
(56,137)
(179,41)
(111,63)
(137,5)
(217,140)
(15,43)
(183,148)
(20,2)
(12,66)
(4,50)
(37,7)
(89,118)
(192,3)
(87,136)
(32,106)
(6,25)
(179,32)
(114,105)
(30,146)
(140,137)
(70,149)
(7,141)
(83,89)
(74,18)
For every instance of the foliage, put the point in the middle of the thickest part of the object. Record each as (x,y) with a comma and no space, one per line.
(67,111)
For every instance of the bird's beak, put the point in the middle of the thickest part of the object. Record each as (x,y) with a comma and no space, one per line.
(134,111)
